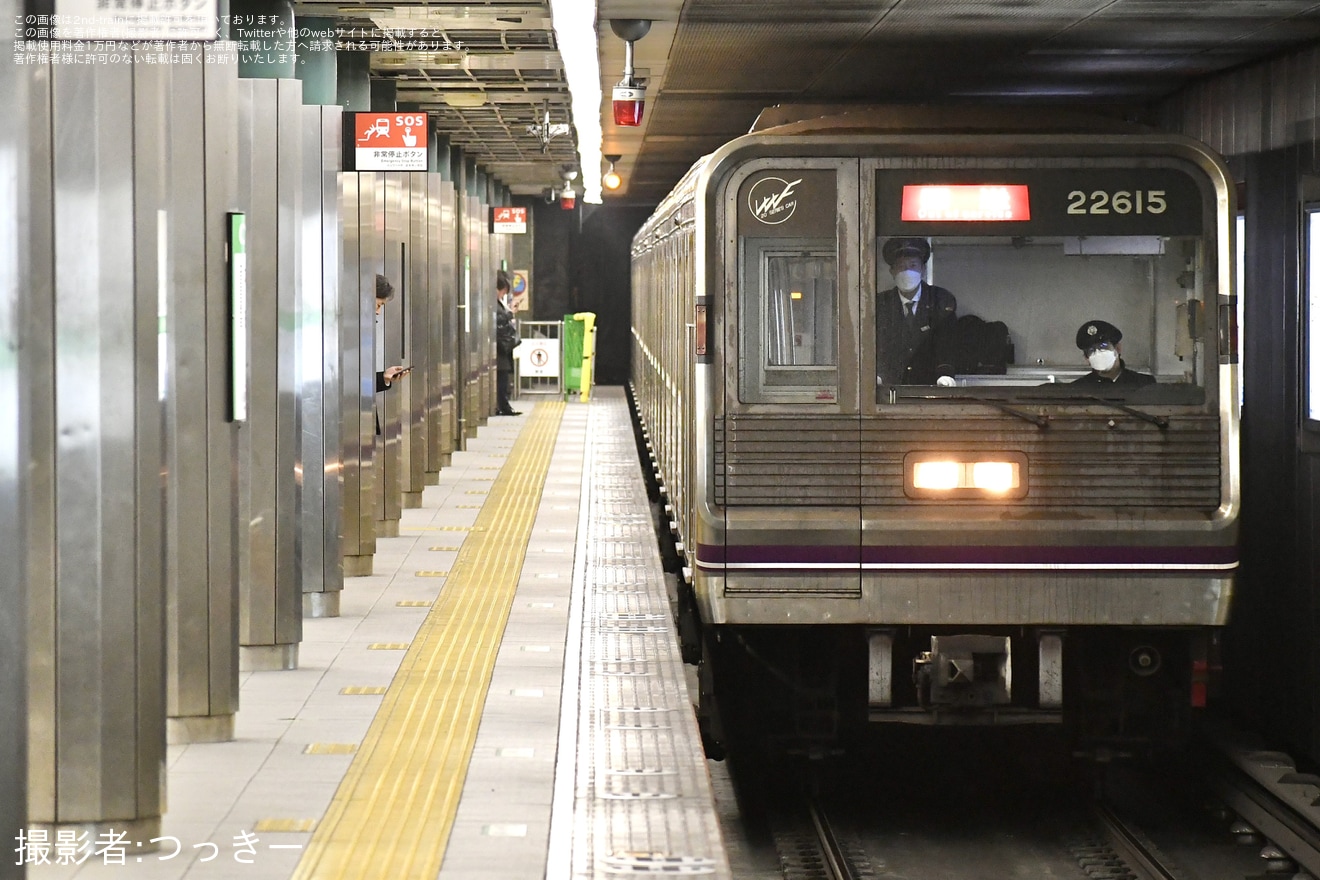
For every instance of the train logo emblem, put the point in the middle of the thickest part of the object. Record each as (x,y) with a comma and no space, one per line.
(772,200)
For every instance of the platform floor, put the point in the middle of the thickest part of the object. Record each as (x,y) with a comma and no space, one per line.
(420,735)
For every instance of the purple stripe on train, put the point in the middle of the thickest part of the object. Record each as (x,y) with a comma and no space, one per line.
(809,556)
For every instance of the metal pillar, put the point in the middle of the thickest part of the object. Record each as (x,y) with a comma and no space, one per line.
(449,317)
(392,200)
(318,394)
(201,543)
(96,600)
(361,262)
(439,393)
(316,59)
(16,244)
(269,178)
(418,353)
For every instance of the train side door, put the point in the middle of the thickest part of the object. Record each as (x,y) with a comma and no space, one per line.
(787,457)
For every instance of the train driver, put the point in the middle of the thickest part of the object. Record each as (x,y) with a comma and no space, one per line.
(914,321)
(1099,342)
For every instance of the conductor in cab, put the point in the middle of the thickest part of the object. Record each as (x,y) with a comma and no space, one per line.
(914,321)
(1099,342)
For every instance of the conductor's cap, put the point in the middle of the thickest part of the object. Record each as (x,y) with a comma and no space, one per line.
(1093,333)
(905,247)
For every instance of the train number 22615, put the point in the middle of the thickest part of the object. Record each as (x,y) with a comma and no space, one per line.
(1148,201)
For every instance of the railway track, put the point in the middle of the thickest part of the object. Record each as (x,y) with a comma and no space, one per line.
(1129,853)
(812,848)
(1262,821)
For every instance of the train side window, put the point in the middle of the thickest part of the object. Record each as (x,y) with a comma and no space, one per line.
(1311,276)
(789,308)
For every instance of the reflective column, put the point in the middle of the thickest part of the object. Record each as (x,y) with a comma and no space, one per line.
(269,179)
(16,244)
(96,598)
(447,321)
(415,311)
(361,262)
(201,463)
(391,230)
(318,397)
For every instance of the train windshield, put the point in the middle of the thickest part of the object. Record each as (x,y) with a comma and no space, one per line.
(1115,316)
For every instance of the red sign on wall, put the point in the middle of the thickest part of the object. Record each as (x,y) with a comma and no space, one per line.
(509,220)
(390,141)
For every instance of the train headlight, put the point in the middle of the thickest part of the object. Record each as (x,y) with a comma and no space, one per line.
(937,474)
(965,476)
(995,476)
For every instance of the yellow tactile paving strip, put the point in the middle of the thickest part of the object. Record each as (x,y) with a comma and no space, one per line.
(392,814)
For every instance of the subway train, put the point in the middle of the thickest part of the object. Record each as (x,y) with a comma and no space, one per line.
(952,518)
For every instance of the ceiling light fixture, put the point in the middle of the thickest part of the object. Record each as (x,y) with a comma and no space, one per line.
(463,100)
(575,33)
(545,130)
(611,179)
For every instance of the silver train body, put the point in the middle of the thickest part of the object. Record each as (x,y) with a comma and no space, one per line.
(1011,548)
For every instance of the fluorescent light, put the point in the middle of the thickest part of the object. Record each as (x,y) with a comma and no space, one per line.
(575,32)
(463,99)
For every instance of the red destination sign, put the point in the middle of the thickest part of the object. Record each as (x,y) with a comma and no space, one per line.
(971,203)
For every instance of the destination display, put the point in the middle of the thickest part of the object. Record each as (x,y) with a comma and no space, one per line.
(1082,201)
(980,203)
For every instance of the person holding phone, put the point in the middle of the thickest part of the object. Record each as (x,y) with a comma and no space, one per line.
(385,378)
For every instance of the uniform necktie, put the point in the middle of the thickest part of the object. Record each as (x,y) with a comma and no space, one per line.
(910,308)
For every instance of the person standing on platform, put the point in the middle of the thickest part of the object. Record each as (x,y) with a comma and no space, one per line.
(385,378)
(506,340)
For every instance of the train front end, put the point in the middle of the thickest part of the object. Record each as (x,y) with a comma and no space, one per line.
(997,535)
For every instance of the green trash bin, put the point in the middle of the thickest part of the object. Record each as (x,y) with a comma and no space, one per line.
(579,330)
(575,332)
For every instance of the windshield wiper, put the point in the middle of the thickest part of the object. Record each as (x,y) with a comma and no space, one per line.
(1038,421)
(1158,421)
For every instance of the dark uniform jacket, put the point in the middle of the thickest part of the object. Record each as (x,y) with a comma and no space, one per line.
(915,350)
(1124,377)
(506,338)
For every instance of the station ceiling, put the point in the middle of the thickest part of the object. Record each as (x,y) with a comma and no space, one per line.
(493,76)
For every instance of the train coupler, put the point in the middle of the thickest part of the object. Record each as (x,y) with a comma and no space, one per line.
(965,671)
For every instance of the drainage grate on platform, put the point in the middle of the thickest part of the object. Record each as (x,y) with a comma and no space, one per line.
(651,864)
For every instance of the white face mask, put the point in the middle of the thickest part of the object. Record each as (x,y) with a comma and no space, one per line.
(907,280)
(1102,360)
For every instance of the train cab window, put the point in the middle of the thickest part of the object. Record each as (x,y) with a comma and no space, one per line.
(1010,312)
(790,319)
(1070,280)
(788,306)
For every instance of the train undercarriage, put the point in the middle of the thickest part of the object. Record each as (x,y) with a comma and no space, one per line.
(1116,691)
